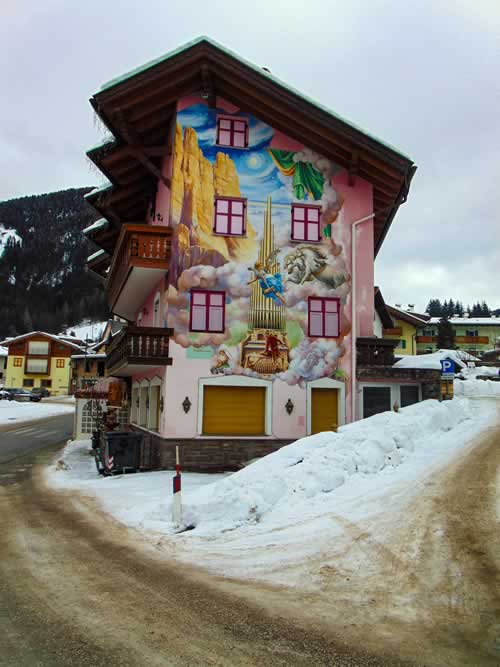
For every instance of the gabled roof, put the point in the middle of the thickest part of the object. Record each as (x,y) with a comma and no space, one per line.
(473,321)
(411,318)
(139,107)
(382,310)
(62,341)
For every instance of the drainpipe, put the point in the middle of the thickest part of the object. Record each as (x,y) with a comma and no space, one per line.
(354,332)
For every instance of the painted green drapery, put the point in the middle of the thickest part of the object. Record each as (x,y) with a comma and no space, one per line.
(306,178)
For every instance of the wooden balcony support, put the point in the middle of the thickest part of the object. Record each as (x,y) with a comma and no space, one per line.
(136,348)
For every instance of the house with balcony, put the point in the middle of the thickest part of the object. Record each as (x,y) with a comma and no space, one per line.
(89,366)
(405,329)
(238,233)
(474,335)
(3,364)
(39,359)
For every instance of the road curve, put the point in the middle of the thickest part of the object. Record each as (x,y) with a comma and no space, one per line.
(75,592)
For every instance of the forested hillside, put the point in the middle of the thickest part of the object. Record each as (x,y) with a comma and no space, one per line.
(44,282)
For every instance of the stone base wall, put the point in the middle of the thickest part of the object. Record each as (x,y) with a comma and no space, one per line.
(207,455)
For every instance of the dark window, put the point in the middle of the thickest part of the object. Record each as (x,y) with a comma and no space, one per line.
(100,368)
(472,332)
(402,344)
(88,366)
(28,383)
(305,222)
(375,400)
(409,394)
(46,383)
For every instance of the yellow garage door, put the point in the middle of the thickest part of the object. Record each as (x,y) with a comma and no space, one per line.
(234,410)
(324,410)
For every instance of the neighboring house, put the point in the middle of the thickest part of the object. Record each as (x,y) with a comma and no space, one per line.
(472,334)
(39,359)
(226,243)
(3,364)
(405,330)
(90,366)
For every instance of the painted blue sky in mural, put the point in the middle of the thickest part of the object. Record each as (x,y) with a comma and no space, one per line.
(258,174)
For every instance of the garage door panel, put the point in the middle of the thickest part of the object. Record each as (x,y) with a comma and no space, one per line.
(234,410)
(324,410)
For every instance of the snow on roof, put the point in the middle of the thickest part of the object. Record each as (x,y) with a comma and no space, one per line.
(102,223)
(64,341)
(433,360)
(488,321)
(91,354)
(152,63)
(97,189)
(414,318)
(96,255)
(3,351)
(86,330)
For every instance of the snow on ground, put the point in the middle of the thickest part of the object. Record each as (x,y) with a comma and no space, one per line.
(269,520)
(87,330)
(476,388)
(12,411)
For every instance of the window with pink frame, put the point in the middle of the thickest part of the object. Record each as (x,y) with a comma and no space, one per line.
(305,222)
(230,216)
(207,311)
(232,132)
(324,317)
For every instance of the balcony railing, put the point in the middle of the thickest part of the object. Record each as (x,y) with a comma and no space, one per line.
(142,246)
(394,331)
(135,347)
(459,340)
(372,351)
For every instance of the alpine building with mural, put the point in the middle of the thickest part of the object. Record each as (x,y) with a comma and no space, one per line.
(226,244)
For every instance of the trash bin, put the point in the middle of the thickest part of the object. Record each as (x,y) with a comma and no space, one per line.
(120,451)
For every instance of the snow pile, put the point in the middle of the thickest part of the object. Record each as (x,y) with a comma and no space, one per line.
(477,388)
(12,411)
(433,359)
(480,370)
(140,501)
(306,472)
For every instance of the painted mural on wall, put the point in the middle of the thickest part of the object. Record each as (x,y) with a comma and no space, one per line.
(267,278)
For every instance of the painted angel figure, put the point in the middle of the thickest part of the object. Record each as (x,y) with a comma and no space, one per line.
(271,284)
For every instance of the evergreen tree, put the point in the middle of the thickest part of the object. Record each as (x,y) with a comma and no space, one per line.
(434,308)
(485,311)
(445,334)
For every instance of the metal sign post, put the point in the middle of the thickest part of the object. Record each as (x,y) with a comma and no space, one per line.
(176,500)
(447,376)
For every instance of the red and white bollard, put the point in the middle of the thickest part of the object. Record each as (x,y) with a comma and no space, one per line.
(176,501)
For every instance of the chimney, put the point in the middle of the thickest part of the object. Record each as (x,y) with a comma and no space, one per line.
(411,308)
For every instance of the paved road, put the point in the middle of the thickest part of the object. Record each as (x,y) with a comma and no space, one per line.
(74,590)
(18,441)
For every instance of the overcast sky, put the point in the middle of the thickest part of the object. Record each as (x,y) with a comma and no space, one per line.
(424,78)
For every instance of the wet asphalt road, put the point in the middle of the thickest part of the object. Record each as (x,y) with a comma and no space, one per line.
(20,441)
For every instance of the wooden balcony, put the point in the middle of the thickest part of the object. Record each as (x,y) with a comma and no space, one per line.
(372,351)
(135,349)
(426,339)
(472,340)
(394,331)
(141,258)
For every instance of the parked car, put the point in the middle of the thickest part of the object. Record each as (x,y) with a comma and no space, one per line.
(42,391)
(4,394)
(15,394)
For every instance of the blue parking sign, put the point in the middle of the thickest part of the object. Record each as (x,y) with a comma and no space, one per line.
(447,367)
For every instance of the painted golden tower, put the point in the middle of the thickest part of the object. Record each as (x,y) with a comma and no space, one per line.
(266,349)
(264,313)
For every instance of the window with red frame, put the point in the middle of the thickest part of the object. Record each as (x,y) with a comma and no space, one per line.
(59,363)
(232,132)
(305,222)
(207,311)
(324,317)
(230,216)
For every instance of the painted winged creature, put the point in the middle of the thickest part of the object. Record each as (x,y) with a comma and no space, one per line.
(271,284)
